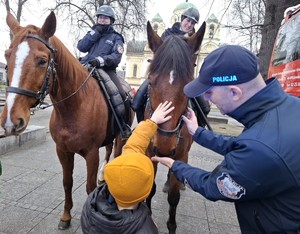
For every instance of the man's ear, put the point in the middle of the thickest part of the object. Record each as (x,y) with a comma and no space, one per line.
(236,93)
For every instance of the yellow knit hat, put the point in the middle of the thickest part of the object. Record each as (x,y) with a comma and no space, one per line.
(129,178)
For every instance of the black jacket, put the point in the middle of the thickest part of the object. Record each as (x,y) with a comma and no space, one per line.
(100,214)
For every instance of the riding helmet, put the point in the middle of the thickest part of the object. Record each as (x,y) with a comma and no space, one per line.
(191,13)
(107,11)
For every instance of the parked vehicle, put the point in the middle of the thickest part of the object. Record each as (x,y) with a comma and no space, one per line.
(285,59)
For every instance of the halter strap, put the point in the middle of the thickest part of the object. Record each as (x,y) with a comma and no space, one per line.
(41,40)
(42,93)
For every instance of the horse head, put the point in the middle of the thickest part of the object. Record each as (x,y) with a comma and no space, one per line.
(30,68)
(170,70)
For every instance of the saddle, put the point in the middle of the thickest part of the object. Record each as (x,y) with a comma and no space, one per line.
(120,107)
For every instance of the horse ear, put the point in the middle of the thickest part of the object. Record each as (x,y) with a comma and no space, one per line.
(154,40)
(12,23)
(49,26)
(196,39)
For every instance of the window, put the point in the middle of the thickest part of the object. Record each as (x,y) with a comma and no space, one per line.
(134,70)
(287,47)
(1,78)
(211,31)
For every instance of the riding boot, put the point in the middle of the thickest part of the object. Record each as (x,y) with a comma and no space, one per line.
(140,97)
(204,104)
(126,131)
(200,102)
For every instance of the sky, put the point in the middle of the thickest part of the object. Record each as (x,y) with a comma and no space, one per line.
(33,13)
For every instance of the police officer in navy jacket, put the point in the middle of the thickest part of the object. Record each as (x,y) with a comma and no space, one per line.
(260,172)
(104,48)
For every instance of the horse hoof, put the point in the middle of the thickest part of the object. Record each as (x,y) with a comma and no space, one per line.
(63,225)
(166,188)
(182,186)
(100,182)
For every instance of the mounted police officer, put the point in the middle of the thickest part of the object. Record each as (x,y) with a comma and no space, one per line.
(104,47)
(188,20)
(185,28)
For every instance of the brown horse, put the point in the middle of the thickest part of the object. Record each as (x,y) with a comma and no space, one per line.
(38,63)
(170,70)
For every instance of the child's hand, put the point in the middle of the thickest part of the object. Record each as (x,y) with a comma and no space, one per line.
(160,114)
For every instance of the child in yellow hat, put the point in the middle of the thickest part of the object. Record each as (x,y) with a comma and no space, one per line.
(117,206)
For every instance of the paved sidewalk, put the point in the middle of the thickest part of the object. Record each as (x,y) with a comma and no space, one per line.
(32,197)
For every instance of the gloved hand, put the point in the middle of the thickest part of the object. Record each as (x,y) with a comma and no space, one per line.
(97,62)
(100,28)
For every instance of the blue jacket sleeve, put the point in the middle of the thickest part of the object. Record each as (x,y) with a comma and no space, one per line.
(218,143)
(239,176)
(85,44)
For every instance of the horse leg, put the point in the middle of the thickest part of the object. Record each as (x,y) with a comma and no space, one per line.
(151,195)
(108,152)
(173,199)
(118,146)
(153,190)
(67,163)
(92,164)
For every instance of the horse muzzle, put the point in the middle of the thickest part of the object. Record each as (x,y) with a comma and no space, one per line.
(12,127)
(157,152)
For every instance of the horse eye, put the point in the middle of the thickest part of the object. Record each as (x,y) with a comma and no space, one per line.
(42,62)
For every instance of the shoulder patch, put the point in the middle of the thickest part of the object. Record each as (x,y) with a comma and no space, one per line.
(120,49)
(229,188)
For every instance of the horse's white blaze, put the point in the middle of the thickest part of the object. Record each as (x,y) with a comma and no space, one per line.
(21,54)
(171,80)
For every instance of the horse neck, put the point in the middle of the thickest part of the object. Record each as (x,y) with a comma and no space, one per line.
(70,73)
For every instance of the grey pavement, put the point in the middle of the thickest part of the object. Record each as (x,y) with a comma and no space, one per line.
(32,197)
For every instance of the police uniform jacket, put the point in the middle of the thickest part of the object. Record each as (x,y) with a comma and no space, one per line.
(260,172)
(108,45)
(174,30)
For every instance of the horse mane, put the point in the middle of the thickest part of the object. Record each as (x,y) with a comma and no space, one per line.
(173,54)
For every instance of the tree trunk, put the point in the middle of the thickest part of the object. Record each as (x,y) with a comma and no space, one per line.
(273,17)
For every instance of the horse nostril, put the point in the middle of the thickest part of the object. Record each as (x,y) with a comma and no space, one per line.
(20,125)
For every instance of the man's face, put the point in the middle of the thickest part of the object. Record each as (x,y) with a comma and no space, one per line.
(103,19)
(187,25)
(222,97)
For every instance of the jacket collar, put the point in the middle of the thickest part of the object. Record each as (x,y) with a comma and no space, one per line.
(266,99)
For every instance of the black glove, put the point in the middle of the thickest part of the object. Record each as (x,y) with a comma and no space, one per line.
(97,62)
(100,28)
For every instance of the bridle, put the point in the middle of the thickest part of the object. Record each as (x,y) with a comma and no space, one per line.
(164,132)
(44,90)
(176,131)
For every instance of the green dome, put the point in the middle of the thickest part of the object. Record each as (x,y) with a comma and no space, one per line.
(212,18)
(184,5)
(136,47)
(157,18)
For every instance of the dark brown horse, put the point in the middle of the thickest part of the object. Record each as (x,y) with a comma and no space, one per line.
(39,63)
(171,69)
